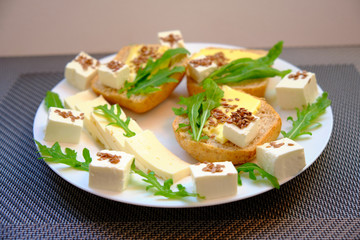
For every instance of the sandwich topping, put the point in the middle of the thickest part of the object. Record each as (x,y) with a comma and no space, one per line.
(171,39)
(144,54)
(217,58)
(115,65)
(86,62)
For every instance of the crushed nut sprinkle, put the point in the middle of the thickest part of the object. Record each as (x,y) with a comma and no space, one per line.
(211,167)
(242,118)
(86,62)
(115,65)
(204,62)
(218,58)
(296,76)
(171,38)
(275,145)
(114,159)
(291,144)
(66,114)
(145,53)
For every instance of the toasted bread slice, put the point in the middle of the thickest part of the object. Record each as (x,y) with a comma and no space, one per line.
(212,151)
(255,87)
(137,103)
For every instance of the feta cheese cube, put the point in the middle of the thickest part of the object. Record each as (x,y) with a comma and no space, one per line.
(110,170)
(214,180)
(297,90)
(64,125)
(241,136)
(83,96)
(172,39)
(282,158)
(80,71)
(201,67)
(114,74)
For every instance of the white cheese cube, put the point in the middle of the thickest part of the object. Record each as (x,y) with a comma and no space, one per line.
(296,90)
(172,39)
(110,170)
(64,125)
(83,96)
(214,180)
(241,136)
(80,71)
(151,155)
(114,74)
(282,158)
(199,71)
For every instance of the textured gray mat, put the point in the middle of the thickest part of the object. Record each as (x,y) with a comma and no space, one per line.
(323,202)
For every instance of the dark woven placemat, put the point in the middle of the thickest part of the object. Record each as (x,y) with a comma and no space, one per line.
(323,202)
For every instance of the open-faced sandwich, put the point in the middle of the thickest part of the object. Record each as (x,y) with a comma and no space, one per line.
(223,124)
(140,76)
(242,69)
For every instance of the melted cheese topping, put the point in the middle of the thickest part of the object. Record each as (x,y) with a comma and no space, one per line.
(245,100)
(231,54)
(135,52)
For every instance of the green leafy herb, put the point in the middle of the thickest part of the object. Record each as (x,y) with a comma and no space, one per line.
(246,68)
(53,100)
(55,155)
(199,107)
(162,190)
(155,73)
(250,168)
(114,118)
(306,118)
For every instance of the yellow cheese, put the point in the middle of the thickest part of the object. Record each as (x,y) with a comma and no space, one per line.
(151,155)
(134,53)
(231,54)
(246,101)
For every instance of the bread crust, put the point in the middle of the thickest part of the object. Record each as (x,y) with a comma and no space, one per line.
(254,87)
(137,103)
(213,151)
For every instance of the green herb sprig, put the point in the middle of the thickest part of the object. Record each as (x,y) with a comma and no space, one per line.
(250,168)
(55,155)
(199,107)
(114,118)
(246,68)
(52,100)
(306,118)
(162,190)
(155,73)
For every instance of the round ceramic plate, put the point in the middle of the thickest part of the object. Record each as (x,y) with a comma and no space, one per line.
(159,121)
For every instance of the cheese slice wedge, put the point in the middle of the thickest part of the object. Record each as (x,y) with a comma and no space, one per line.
(151,155)
(87,108)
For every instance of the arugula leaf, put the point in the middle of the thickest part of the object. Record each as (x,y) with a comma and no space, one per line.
(246,68)
(306,117)
(52,100)
(155,73)
(162,190)
(199,107)
(55,155)
(250,168)
(114,118)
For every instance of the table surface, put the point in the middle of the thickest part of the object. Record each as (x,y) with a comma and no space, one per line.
(309,212)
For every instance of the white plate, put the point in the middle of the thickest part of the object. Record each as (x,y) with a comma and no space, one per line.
(159,120)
